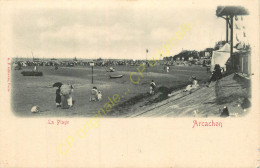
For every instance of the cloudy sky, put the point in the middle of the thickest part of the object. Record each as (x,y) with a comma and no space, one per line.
(118,29)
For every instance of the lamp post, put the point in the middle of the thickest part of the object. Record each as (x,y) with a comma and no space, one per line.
(92,65)
(146,65)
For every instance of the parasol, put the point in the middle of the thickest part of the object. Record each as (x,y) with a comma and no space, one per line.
(57,84)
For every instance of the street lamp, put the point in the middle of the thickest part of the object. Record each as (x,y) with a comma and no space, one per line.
(146,64)
(92,65)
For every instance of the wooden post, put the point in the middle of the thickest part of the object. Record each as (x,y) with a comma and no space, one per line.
(231,43)
(92,65)
(146,66)
(227,20)
(92,74)
(242,64)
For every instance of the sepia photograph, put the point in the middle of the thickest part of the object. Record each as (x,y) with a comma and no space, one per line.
(130,83)
(132,62)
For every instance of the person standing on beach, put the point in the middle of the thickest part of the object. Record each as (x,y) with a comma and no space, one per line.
(216,74)
(35,68)
(152,87)
(167,68)
(70,102)
(56,67)
(65,96)
(58,97)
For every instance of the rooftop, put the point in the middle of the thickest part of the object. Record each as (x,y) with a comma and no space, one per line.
(231,10)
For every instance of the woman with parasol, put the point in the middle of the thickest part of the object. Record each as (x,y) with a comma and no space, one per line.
(66,98)
(58,93)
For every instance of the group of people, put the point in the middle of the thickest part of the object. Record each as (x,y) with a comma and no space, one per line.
(96,95)
(216,75)
(64,96)
(64,92)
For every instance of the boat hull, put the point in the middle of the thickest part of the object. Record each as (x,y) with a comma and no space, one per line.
(31,73)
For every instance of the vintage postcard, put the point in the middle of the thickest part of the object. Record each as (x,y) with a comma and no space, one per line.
(129,83)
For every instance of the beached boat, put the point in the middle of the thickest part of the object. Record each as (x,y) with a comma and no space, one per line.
(116,76)
(31,73)
(111,69)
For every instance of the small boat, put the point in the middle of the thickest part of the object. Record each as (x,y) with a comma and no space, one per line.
(31,73)
(116,76)
(111,69)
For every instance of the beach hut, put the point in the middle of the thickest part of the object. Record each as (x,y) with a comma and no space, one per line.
(229,13)
(243,61)
(221,57)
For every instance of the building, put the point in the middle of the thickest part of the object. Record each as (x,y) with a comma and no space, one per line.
(229,13)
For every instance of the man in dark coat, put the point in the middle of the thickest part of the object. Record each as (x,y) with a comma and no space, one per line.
(216,74)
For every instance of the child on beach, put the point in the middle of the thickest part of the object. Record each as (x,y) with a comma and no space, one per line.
(94,94)
(99,96)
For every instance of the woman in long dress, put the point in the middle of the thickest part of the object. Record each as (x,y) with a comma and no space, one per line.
(58,97)
(64,102)
(65,95)
(70,96)
(216,75)
(152,87)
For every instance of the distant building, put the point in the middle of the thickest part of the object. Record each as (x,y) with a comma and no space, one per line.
(208,52)
(36,60)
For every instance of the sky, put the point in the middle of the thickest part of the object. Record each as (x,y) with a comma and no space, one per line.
(118,29)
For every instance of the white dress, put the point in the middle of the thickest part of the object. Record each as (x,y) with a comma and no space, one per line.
(70,100)
(99,96)
(193,86)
